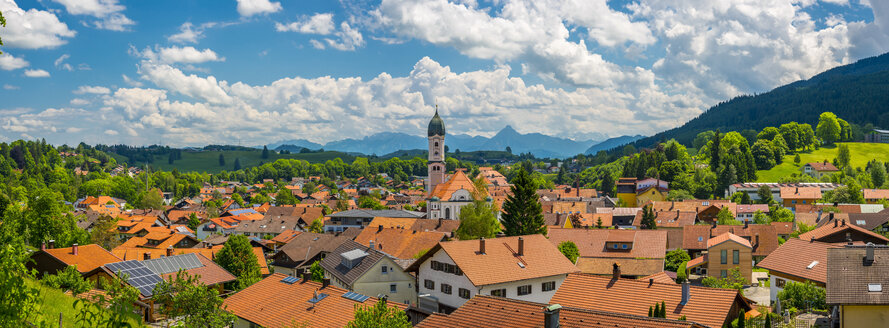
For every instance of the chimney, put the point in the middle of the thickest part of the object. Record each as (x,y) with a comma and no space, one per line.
(371,244)
(481,245)
(869,254)
(714,224)
(830,217)
(843,223)
(746,224)
(757,240)
(170,251)
(835,223)
(439,223)
(551,316)
(43,246)
(379,228)
(521,246)
(74,249)
(52,243)
(615,271)
(686,292)
(307,276)
(650,281)
(797,190)
(146,256)
(325,282)
(849,237)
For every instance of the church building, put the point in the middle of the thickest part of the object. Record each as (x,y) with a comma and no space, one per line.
(446,195)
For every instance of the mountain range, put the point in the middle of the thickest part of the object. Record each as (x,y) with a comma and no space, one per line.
(541,145)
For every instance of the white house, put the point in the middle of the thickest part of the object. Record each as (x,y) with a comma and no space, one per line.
(528,268)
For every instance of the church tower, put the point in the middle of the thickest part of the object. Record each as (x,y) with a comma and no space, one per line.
(436,152)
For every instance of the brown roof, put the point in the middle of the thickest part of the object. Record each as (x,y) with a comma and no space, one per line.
(696,236)
(272,303)
(209,273)
(662,277)
(727,236)
(490,311)
(651,244)
(501,262)
(876,193)
(752,208)
(806,218)
(708,306)
(823,166)
(332,263)
(800,193)
(400,243)
(831,230)
(669,219)
(88,258)
(794,258)
(137,253)
(307,245)
(849,277)
(457,181)
(783,228)
(628,266)
(415,224)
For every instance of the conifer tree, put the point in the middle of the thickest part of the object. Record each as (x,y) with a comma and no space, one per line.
(522,213)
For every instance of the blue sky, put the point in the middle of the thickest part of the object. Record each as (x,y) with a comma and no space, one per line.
(258,71)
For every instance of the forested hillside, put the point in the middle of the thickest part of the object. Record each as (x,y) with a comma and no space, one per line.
(858,92)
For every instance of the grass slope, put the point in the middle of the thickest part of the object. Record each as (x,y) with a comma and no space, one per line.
(54,301)
(861,154)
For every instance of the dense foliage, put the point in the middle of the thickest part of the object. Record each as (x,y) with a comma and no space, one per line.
(237,257)
(569,249)
(522,212)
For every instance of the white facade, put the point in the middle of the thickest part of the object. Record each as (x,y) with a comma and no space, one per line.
(449,209)
(457,282)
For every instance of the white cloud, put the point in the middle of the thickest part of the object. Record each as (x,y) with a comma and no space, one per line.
(349,38)
(10,87)
(187,34)
(79,102)
(168,77)
(61,64)
(315,24)
(97,90)
(869,39)
(107,11)
(9,62)
(32,29)
(36,73)
(111,132)
(131,82)
(249,8)
(174,54)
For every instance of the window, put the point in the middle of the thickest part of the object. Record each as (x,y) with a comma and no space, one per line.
(499,292)
(448,213)
(463,293)
(614,246)
(780,282)
(793,202)
(429,284)
(624,246)
(700,239)
(393,288)
(385,270)
(445,288)
(723,273)
(548,286)
(736,256)
(524,290)
(723,256)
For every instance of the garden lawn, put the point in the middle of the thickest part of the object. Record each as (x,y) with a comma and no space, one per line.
(861,154)
(54,301)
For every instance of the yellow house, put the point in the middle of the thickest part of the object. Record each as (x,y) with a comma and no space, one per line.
(724,253)
(858,285)
(369,272)
(792,196)
(634,192)
(626,191)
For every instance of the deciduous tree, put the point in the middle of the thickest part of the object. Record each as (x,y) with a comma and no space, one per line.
(478,219)
(379,315)
(237,257)
(569,249)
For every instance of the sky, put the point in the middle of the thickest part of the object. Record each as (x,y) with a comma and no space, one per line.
(252,72)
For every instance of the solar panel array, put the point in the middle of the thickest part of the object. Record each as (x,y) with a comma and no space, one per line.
(170,264)
(137,274)
(290,280)
(356,297)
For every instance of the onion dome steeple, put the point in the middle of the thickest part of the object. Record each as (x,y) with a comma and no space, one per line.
(436,125)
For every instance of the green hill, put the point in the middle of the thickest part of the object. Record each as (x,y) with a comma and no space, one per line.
(858,92)
(861,154)
(208,161)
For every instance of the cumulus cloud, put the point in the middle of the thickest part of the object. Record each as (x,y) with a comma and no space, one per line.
(9,62)
(174,54)
(36,73)
(108,13)
(79,102)
(32,29)
(315,24)
(97,90)
(61,64)
(249,8)
(189,33)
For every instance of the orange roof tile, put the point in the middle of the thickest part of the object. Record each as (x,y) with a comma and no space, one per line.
(661,277)
(272,303)
(137,253)
(727,237)
(800,193)
(829,229)
(457,181)
(649,244)
(795,257)
(876,193)
(88,258)
(400,243)
(708,306)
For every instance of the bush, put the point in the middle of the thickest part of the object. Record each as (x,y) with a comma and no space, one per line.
(803,296)
(569,249)
(682,274)
(68,279)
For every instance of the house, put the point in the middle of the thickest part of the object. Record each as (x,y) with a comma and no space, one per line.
(762,237)
(88,259)
(875,196)
(527,268)
(142,254)
(877,135)
(798,261)
(296,256)
(621,216)
(285,237)
(195,265)
(632,192)
(726,252)
(638,252)
(858,285)
(221,226)
(712,307)
(791,196)
(440,225)
(819,169)
(284,301)
(162,239)
(837,231)
(399,243)
(485,311)
(449,196)
(745,212)
(366,271)
(752,188)
(360,218)
(269,227)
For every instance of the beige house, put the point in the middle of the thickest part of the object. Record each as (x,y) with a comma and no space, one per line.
(724,253)
(366,271)
(858,285)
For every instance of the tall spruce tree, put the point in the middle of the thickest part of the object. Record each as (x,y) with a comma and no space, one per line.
(648,217)
(522,211)
(265,152)
(714,151)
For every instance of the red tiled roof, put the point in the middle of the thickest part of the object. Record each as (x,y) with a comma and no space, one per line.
(800,193)
(823,166)
(650,244)
(708,306)
(457,181)
(794,258)
(488,311)
(829,229)
(876,193)
(272,303)
(727,237)
(400,243)
(661,277)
